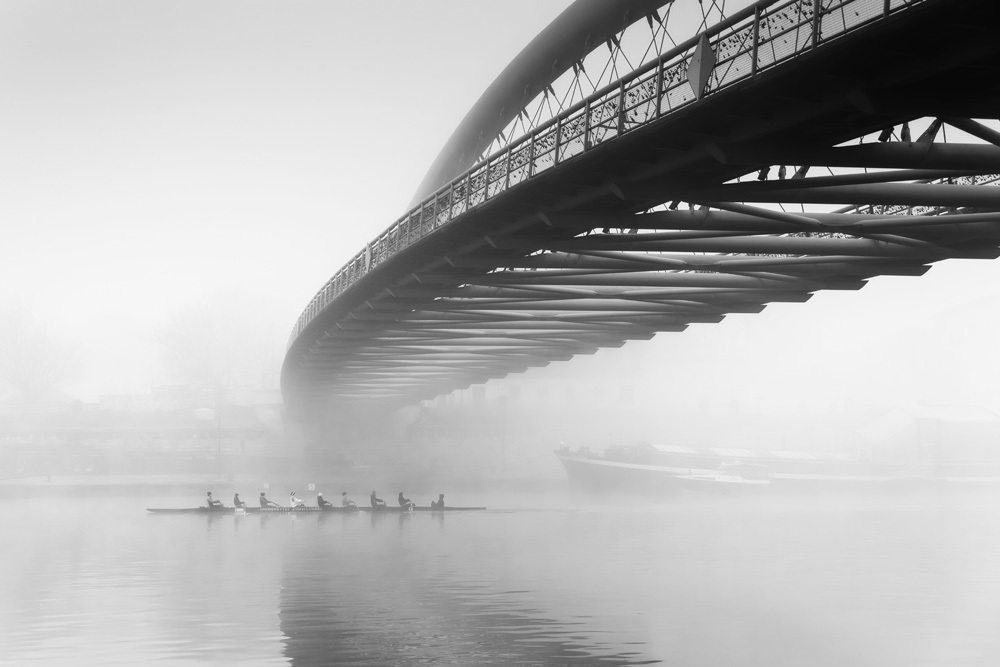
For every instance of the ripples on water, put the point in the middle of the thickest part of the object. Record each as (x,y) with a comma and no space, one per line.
(905,581)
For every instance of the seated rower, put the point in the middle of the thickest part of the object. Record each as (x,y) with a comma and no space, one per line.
(237,502)
(376,502)
(211,502)
(405,502)
(294,502)
(439,503)
(322,502)
(264,502)
(345,501)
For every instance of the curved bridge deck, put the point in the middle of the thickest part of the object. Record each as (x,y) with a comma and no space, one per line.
(781,152)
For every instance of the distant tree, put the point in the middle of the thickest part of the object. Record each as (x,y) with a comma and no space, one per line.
(33,360)
(224,344)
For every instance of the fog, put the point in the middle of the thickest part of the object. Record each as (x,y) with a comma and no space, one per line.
(180,178)
(162,157)
(162,163)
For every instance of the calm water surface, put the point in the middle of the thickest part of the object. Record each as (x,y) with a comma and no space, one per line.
(903,581)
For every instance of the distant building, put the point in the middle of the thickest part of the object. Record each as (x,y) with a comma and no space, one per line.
(944,434)
(162,431)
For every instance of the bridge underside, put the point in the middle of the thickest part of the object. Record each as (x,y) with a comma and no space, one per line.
(766,191)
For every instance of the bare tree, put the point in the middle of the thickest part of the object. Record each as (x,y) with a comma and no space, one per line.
(33,360)
(224,344)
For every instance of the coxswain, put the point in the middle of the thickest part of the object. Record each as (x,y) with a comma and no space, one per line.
(294,502)
(376,502)
(211,502)
(345,501)
(237,502)
(264,502)
(405,502)
(322,502)
(439,503)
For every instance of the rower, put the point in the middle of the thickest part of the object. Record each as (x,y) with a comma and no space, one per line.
(264,502)
(376,502)
(439,503)
(322,502)
(211,502)
(405,502)
(237,502)
(345,501)
(294,502)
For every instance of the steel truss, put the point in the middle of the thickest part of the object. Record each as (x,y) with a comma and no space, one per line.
(815,152)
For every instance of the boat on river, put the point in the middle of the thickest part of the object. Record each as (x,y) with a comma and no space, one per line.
(305,510)
(733,477)
(415,508)
(249,510)
(664,469)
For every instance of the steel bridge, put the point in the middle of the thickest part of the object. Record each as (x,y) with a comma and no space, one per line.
(643,165)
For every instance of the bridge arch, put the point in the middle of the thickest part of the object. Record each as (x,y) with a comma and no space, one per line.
(582,27)
(823,143)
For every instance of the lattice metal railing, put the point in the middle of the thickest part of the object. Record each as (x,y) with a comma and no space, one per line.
(750,42)
(992,180)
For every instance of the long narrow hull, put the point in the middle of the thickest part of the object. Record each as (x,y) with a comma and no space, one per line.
(191,510)
(305,510)
(399,510)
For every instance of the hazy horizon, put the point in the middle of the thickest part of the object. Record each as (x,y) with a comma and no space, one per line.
(163,160)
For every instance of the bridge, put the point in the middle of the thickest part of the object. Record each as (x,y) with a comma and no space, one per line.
(644,165)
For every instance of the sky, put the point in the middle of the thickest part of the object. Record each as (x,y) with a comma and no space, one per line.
(156,156)
(159,157)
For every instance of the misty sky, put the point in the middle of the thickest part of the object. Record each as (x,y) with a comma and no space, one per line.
(160,155)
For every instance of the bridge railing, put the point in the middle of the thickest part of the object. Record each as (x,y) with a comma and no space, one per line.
(991,180)
(756,39)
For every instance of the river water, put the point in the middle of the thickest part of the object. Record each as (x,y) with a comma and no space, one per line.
(531,581)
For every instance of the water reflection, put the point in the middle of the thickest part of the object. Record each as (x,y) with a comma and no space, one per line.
(387,596)
(865,583)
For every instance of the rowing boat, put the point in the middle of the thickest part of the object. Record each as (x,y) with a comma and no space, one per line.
(248,510)
(300,510)
(414,508)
